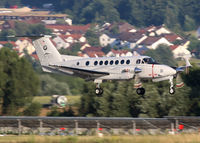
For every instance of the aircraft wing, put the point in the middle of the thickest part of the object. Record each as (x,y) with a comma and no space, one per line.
(84,73)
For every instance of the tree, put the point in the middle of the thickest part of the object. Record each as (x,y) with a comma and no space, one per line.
(33,109)
(193,81)
(189,24)
(50,86)
(21,82)
(92,37)
(195,46)
(163,55)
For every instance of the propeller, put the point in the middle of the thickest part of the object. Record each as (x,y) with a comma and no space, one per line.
(179,81)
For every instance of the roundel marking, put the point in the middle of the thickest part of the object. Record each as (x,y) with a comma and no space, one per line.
(45,47)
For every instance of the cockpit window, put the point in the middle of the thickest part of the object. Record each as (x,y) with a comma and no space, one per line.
(138,61)
(149,61)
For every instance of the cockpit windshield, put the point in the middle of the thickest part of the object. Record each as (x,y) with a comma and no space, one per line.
(149,61)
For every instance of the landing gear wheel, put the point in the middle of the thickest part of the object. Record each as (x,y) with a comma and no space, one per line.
(140,91)
(171,90)
(99,91)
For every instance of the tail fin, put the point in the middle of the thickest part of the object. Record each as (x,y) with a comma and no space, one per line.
(47,52)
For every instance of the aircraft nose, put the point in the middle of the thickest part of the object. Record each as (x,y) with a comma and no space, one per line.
(171,71)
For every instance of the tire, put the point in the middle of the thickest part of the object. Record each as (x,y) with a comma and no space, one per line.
(171,90)
(140,91)
(98,91)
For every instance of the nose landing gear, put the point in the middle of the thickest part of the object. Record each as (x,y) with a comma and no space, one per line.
(171,88)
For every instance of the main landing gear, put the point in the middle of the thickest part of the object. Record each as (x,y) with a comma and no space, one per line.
(140,91)
(98,90)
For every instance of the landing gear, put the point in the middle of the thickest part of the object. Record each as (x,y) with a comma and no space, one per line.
(171,88)
(98,90)
(140,91)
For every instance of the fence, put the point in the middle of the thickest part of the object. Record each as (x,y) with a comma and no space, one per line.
(78,125)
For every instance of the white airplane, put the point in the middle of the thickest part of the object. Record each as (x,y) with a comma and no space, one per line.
(101,69)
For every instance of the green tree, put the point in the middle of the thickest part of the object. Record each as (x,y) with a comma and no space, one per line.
(33,109)
(189,24)
(193,81)
(21,82)
(92,37)
(195,46)
(162,55)
(50,86)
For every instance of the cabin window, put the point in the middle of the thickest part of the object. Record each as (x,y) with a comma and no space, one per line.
(95,63)
(122,62)
(138,61)
(106,62)
(77,63)
(116,62)
(101,62)
(128,62)
(111,62)
(87,63)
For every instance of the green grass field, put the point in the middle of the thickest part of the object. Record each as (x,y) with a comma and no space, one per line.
(72,100)
(187,138)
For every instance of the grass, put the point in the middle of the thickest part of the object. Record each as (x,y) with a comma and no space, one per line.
(72,100)
(185,138)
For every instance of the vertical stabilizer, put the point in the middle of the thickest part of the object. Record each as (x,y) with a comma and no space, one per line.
(46,51)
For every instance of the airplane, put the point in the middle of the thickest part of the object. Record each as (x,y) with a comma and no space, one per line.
(101,69)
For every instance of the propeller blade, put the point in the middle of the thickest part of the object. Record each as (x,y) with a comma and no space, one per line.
(179,81)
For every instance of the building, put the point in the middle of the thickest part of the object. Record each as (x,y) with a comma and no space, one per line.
(181,51)
(107,39)
(154,42)
(119,53)
(27,13)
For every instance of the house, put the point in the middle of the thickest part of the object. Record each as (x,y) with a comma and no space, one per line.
(68,29)
(84,45)
(140,51)
(73,38)
(172,37)
(162,30)
(107,39)
(154,42)
(92,52)
(57,29)
(126,27)
(119,53)
(25,44)
(8,24)
(180,51)
(155,30)
(131,40)
(3,43)
(60,42)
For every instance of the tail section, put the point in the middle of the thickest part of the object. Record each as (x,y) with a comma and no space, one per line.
(47,52)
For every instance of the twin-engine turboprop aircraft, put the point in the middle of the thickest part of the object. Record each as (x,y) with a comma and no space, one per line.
(105,68)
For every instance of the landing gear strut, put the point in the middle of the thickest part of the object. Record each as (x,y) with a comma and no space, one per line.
(140,91)
(98,90)
(171,88)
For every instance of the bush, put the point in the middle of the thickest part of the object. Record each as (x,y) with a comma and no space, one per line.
(33,109)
